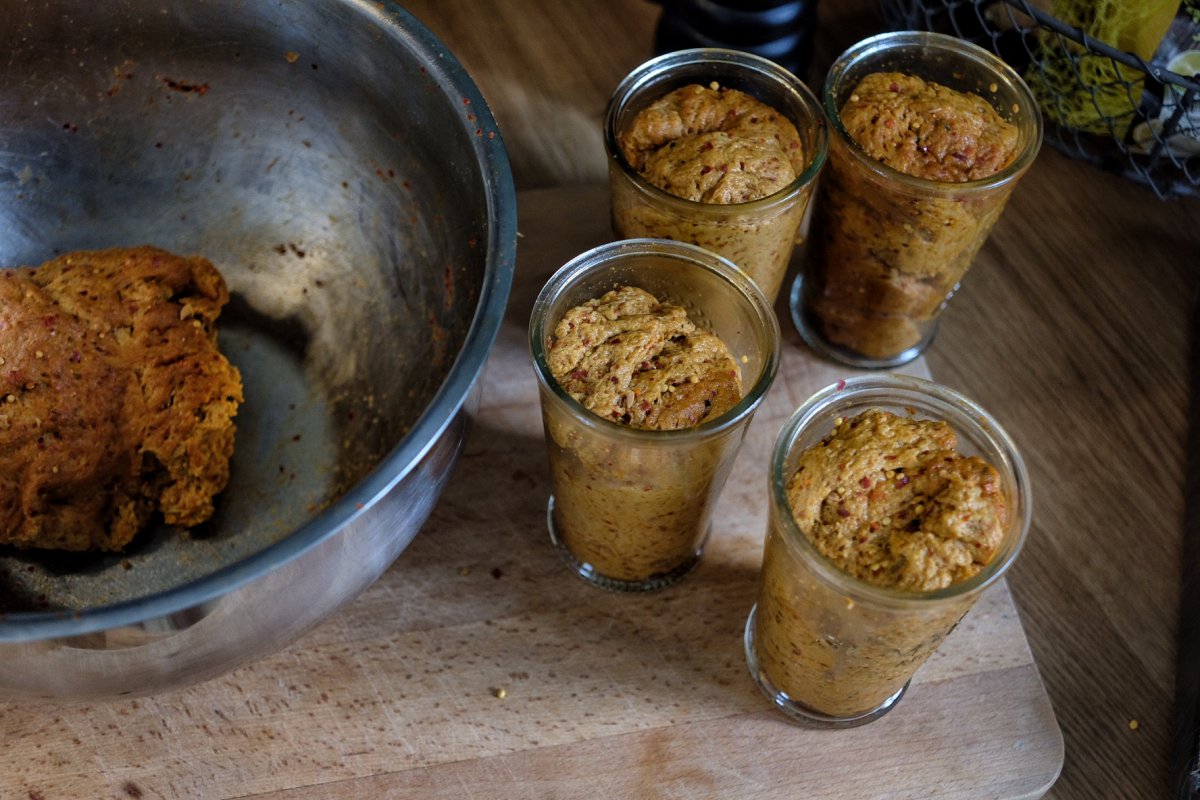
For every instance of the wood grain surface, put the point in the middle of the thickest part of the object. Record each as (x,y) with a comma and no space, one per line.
(603,694)
(1072,328)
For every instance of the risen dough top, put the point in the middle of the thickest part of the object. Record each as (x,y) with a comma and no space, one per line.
(891,501)
(631,359)
(712,144)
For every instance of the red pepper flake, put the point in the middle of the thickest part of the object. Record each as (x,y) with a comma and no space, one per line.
(864,482)
(841,384)
(707,146)
(579,374)
(895,87)
(705,170)
(874,527)
(842,512)
(902,481)
(612,378)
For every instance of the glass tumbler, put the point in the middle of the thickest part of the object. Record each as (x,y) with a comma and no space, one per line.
(758,236)
(831,650)
(630,508)
(887,250)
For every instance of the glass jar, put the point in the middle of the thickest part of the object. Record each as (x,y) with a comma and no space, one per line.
(887,250)
(630,508)
(758,236)
(827,648)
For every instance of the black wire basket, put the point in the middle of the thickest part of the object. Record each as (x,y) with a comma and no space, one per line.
(1104,105)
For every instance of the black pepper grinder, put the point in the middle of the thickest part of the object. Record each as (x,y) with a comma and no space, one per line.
(781,30)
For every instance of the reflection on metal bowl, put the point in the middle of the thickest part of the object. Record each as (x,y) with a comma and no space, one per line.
(341,169)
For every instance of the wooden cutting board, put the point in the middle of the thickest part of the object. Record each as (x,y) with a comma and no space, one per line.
(478,666)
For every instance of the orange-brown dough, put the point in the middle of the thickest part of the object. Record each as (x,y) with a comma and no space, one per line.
(718,150)
(636,511)
(891,501)
(928,130)
(713,144)
(114,400)
(886,258)
(631,359)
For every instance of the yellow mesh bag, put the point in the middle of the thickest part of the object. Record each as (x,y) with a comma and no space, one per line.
(1088,92)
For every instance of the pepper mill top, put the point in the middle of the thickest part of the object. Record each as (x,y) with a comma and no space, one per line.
(781,30)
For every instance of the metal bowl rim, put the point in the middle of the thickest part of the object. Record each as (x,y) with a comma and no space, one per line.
(406,31)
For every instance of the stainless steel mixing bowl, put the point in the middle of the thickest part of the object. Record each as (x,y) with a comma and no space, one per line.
(339,166)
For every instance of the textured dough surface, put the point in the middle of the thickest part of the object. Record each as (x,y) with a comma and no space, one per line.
(891,501)
(114,400)
(631,359)
(928,130)
(713,144)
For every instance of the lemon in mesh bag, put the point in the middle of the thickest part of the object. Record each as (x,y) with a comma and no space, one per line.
(1093,93)
(1169,117)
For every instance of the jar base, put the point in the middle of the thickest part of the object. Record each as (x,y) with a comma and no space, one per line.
(593,576)
(795,711)
(812,337)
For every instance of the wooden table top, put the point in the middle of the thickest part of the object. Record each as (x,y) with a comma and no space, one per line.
(1073,328)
